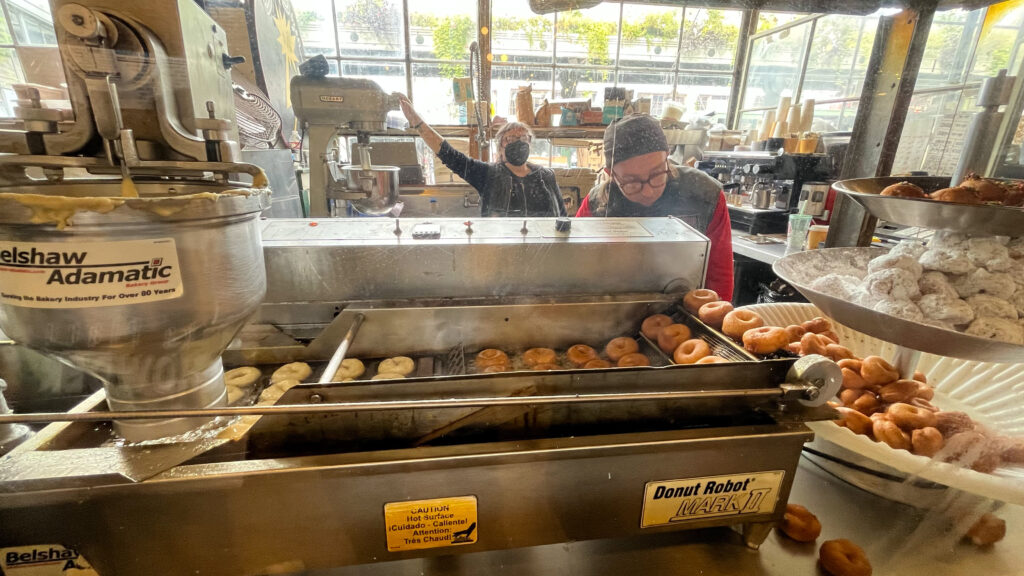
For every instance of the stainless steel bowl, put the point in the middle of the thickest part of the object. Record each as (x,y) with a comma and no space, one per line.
(161,354)
(379,184)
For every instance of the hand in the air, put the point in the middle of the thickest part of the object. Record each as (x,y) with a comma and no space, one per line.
(408,110)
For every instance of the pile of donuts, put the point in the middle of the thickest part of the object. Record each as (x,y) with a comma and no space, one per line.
(242,382)
(622,352)
(970,284)
(973,190)
(741,325)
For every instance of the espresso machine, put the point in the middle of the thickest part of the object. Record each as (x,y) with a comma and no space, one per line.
(332,109)
(136,257)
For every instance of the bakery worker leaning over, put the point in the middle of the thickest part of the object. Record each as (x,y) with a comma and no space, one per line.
(641,182)
(510,187)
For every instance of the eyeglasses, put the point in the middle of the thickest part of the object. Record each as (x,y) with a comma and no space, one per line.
(634,187)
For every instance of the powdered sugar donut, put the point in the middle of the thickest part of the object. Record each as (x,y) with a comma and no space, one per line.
(936,283)
(1016,247)
(1016,271)
(1018,302)
(945,308)
(989,253)
(981,281)
(946,240)
(837,285)
(899,308)
(893,284)
(895,261)
(908,248)
(948,261)
(997,329)
(990,306)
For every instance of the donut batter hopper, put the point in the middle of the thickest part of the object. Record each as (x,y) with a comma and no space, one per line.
(143,293)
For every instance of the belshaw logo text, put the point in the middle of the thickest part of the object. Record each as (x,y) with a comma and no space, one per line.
(70,268)
(39,556)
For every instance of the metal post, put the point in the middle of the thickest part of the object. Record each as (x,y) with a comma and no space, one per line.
(748,24)
(885,99)
(485,34)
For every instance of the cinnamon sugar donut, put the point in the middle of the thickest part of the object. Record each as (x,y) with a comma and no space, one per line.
(926,441)
(739,321)
(690,351)
(799,524)
(765,340)
(652,325)
(491,357)
(580,354)
(671,337)
(621,346)
(597,363)
(634,359)
(712,360)
(817,325)
(952,423)
(694,299)
(713,313)
(854,420)
(795,332)
(876,370)
(535,356)
(843,558)
(888,432)
(910,417)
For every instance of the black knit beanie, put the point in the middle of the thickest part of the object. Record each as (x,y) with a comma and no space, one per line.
(631,136)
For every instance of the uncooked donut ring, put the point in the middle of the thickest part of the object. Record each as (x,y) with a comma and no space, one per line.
(597,363)
(843,558)
(712,360)
(350,368)
(690,351)
(495,368)
(926,441)
(739,321)
(876,370)
(294,371)
(694,299)
(765,340)
(653,324)
(621,346)
(235,394)
(398,365)
(388,376)
(580,354)
(799,524)
(547,366)
(491,357)
(671,337)
(243,377)
(535,356)
(713,313)
(817,325)
(910,417)
(634,359)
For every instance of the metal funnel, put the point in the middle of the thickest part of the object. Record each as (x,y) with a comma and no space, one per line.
(143,293)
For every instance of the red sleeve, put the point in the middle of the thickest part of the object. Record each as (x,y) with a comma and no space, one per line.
(719,277)
(584,210)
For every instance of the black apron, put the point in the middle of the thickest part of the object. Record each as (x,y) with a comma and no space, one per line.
(507,195)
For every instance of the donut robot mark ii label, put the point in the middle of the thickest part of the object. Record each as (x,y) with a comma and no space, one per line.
(88,274)
(434,523)
(43,560)
(672,501)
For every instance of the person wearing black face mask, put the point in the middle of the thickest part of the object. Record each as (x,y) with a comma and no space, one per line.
(510,187)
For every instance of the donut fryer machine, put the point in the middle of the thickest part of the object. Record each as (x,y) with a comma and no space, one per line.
(445,462)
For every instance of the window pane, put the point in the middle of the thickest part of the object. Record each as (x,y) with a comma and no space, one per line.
(835,117)
(997,41)
(389,75)
(315,26)
(769,20)
(442,30)
(31,22)
(506,80)
(10,73)
(588,36)
(934,132)
(433,94)
(710,38)
(839,54)
(948,48)
(704,94)
(370,28)
(654,85)
(650,36)
(583,83)
(520,36)
(775,66)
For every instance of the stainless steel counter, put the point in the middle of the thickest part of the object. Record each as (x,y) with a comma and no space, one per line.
(898,540)
(767,253)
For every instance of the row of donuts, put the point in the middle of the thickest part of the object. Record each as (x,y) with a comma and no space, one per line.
(743,326)
(241,382)
(623,352)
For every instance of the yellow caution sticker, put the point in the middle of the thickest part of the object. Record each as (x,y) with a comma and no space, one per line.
(434,523)
(673,501)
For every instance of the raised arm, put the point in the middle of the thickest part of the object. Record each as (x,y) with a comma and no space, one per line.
(429,135)
(473,171)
